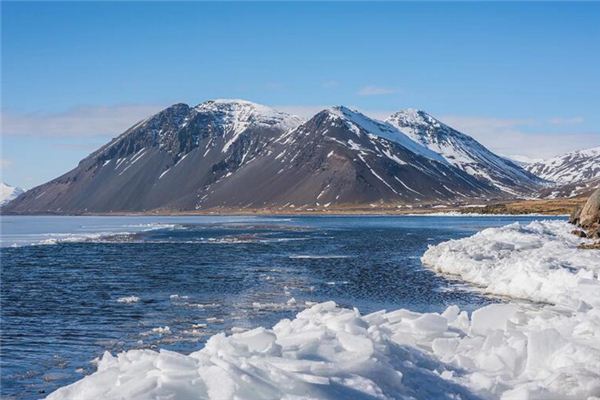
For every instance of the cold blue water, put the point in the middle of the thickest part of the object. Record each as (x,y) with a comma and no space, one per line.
(74,287)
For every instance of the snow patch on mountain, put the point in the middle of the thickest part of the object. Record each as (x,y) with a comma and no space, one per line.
(463,151)
(9,193)
(358,121)
(238,115)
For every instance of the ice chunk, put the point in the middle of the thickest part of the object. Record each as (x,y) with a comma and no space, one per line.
(493,316)
(128,299)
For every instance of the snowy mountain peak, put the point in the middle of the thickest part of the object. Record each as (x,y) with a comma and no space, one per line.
(239,114)
(463,151)
(8,193)
(360,123)
(412,117)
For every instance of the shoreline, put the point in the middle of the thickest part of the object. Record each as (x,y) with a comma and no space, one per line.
(299,214)
(528,207)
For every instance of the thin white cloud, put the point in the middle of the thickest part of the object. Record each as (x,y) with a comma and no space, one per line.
(509,136)
(566,121)
(303,111)
(5,163)
(308,111)
(80,121)
(522,137)
(370,90)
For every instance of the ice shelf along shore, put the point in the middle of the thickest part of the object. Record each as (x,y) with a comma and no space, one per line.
(513,350)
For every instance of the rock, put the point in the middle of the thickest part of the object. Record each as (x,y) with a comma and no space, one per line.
(579,232)
(594,232)
(574,217)
(590,246)
(590,213)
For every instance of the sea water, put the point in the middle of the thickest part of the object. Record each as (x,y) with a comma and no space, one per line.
(73,287)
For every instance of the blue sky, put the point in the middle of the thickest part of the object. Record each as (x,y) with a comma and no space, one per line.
(520,77)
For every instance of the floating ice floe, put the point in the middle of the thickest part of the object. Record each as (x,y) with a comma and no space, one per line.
(505,351)
(162,330)
(128,299)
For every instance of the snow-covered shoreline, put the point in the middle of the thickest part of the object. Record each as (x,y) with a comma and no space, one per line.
(538,262)
(502,351)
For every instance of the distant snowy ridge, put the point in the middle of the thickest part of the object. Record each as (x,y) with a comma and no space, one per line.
(8,193)
(574,167)
(464,152)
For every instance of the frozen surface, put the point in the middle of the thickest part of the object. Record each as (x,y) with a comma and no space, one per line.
(538,261)
(501,351)
(506,351)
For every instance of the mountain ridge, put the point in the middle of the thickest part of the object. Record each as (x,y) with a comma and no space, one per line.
(464,152)
(574,173)
(238,154)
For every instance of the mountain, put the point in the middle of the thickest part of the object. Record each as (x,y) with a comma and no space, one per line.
(575,189)
(573,167)
(575,174)
(464,152)
(340,156)
(164,160)
(238,154)
(9,193)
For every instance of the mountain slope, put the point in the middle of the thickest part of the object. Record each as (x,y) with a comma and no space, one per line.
(343,157)
(574,167)
(464,152)
(9,193)
(237,154)
(575,174)
(162,159)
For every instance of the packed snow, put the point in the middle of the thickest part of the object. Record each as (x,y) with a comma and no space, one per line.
(539,262)
(509,351)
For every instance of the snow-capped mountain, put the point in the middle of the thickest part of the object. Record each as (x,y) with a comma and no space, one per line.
(574,174)
(464,152)
(576,166)
(165,160)
(237,154)
(8,193)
